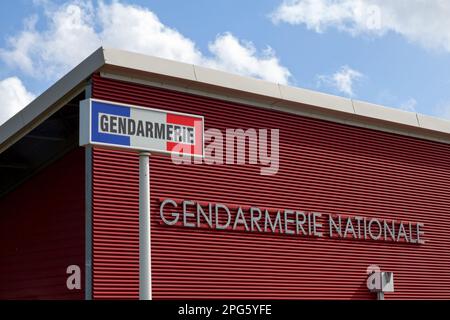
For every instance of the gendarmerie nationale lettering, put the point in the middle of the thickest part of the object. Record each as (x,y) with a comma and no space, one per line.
(148,129)
(290,222)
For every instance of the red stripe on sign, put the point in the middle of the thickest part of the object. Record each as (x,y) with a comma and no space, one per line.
(181,119)
(195,122)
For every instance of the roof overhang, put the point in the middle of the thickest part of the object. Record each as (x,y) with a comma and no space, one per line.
(199,80)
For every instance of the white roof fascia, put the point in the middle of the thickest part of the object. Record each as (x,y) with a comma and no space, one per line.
(50,101)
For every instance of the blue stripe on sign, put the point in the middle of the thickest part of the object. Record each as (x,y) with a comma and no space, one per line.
(102,107)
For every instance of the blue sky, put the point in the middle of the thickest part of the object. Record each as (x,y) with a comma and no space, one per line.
(383,52)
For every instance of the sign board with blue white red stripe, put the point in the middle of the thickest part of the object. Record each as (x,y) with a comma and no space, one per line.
(126,126)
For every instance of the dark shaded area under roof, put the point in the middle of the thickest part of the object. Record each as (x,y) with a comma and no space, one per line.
(53,138)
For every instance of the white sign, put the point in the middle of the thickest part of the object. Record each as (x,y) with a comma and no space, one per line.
(132,127)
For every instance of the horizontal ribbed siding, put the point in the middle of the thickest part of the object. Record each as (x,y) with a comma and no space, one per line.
(324,167)
(115,225)
(42,232)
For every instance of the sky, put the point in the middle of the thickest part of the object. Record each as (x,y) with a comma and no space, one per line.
(394,53)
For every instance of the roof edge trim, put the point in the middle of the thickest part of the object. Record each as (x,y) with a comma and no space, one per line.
(47,103)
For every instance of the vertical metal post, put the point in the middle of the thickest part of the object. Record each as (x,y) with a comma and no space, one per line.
(145,263)
(88,210)
(88,224)
(380,295)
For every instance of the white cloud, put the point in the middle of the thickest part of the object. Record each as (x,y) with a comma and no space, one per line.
(242,58)
(138,29)
(75,29)
(13,97)
(69,38)
(409,105)
(422,21)
(342,80)
(319,15)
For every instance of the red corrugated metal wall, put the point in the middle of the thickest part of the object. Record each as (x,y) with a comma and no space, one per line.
(42,232)
(324,167)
